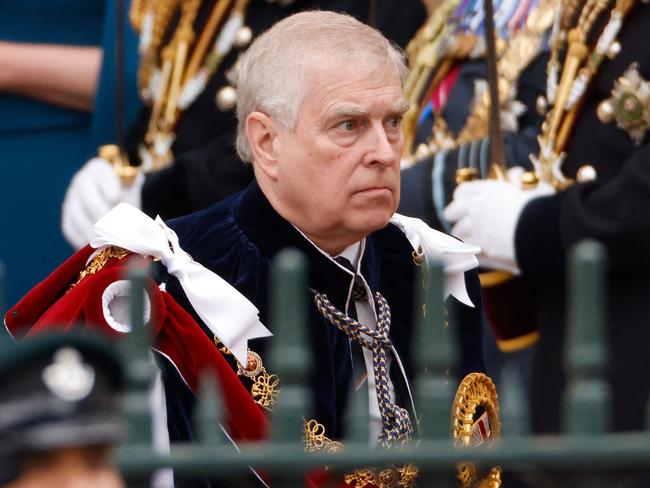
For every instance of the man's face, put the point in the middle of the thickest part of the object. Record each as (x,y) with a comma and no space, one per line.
(72,467)
(338,169)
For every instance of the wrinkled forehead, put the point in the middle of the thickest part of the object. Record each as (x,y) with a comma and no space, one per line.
(340,77)
(345,60)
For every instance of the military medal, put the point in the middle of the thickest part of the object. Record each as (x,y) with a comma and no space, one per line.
(579,68)
(629,105)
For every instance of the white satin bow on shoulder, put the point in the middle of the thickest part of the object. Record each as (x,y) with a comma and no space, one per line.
(229,315)
(456,256)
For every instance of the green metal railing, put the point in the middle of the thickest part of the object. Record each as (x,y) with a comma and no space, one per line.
(585,455)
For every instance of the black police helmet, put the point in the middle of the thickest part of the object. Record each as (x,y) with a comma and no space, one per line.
(57,390)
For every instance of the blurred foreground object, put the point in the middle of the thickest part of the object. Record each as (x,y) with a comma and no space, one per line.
(59,406)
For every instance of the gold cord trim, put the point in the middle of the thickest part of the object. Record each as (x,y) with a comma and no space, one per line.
(99,261)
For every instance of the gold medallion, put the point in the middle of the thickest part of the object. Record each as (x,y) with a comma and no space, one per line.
(474,422)
(265,386)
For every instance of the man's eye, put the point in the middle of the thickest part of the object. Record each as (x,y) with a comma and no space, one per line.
(348,125)
(394,122)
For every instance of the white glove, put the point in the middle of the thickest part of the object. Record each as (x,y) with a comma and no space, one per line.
(93,191)
(486,214)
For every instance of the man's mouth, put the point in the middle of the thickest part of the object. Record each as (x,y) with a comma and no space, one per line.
(375,189)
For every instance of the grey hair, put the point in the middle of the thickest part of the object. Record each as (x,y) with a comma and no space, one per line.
(272,71)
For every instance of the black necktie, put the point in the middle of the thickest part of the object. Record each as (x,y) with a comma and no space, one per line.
(359,373)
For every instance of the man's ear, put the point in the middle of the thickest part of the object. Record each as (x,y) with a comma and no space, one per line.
(262,135)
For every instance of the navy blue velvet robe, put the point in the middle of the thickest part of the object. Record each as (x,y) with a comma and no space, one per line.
(237,239)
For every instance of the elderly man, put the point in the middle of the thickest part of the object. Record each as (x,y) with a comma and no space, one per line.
(319,110)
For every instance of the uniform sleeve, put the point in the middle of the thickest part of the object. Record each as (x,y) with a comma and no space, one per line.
(428,187)
(615,213)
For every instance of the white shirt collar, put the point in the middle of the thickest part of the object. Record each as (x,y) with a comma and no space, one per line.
(353,253)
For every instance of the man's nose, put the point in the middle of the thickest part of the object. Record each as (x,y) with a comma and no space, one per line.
(382,150)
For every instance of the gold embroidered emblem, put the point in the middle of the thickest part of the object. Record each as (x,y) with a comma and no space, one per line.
(475,421)
(629,104)
(100,260)
(316,440)
(360,478)
(400,477)
(403,477)
(265,389)
(265,386)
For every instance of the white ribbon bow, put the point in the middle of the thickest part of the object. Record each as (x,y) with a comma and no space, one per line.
(229,315)
(456,256)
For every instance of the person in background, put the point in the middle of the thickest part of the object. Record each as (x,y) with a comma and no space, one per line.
(51,58)
(59,417)
(594,162)
(447,133)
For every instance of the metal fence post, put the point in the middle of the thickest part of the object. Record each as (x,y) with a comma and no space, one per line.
(139,370)
(587,395)
(435,357)
(209,412)
(289,358)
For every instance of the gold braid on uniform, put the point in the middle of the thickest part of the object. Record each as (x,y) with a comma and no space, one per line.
(150,18)
(424,53)
(521,51)
(172,75)
(580,65)
(515,58)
